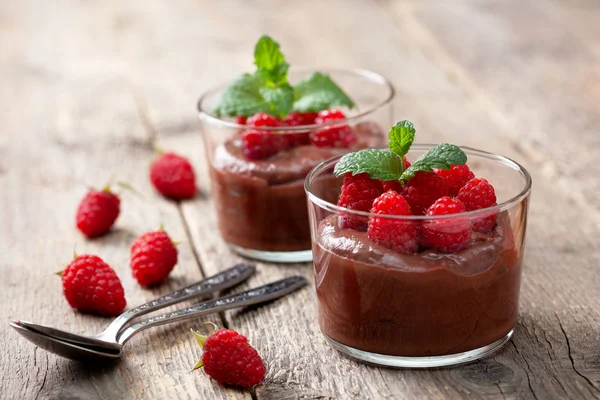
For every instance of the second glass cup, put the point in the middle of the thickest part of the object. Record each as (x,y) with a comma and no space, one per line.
(261,204)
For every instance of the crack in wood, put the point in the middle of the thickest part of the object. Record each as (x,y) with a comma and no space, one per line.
(588,380)
(37,395)
(527,370)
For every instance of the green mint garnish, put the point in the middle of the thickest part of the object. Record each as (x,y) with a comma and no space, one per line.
(441,156)
(318,92)
(267,89)
(389,165)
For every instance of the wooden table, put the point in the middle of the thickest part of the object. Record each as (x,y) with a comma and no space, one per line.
(88,88)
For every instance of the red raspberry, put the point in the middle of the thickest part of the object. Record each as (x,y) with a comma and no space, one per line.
(358,193)
(341,136)
(97,212)
(90,285)
(400,236)
(258,145)
(446,235)
(229,359)
(240,120)
(396,186)
(262,119)
(173,176)
(455,177)
(297,119)
(422,190)
(477,194)
(153,256)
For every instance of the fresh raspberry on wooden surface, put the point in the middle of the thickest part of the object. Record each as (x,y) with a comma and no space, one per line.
(341,136)
(97,212)
(229,359)
(423,190)
(478,194)
(91,285)
(446,235)
(358,193)
(398,235)
(153,256)
(455,177)
(173,176)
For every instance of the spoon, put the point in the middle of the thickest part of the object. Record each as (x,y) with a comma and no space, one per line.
(89,348)
(222,280)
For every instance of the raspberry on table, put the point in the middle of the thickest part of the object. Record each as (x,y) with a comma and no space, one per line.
(153,257)
(446,235)
(173,176)
(340,136)
(91,285)
(97,212)
(478,194)
(229,359)
(423,190)
(358,193)
(455,177)
(398,235)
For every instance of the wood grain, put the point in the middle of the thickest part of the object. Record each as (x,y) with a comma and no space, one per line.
(90,87)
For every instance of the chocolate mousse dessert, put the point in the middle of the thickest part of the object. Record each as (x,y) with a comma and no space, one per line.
(281,132)
(418,261)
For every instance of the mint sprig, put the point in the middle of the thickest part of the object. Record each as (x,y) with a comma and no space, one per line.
(318,92)
(267,89)
(389,165)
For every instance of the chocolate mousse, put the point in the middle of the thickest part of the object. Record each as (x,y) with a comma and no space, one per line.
(424,304)
(261,204)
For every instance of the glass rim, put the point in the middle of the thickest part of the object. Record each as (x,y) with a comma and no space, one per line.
(523,194)
(361,73)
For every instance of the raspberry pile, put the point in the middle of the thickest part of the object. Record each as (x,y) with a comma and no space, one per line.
(437,193)
(259,143)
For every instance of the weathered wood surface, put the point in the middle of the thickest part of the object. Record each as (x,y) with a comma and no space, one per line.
(88,88)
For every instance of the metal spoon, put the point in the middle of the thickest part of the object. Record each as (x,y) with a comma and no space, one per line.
(105,348)
(222,280)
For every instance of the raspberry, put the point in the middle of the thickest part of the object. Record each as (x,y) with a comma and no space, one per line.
(477,194)
(422,190)
(229,359)
(446,235)
(153,256)
(173,176)
(396,186)
(358,193)
(455,177)
(341,136)
(258,145)
(240,120)
(97,212)
(262,119)
(90,285)
(297,119)
(400,236)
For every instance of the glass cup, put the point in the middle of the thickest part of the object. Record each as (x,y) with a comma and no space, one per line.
(261,204)
(424,309)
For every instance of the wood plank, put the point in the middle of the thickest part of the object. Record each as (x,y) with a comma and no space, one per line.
(444,109)
(72,121)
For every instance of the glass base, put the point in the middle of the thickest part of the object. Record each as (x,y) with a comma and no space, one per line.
(420,362)
(274,256)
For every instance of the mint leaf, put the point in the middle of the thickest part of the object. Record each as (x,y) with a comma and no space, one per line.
(280,99)
(243,97)
(379,164)
(402,136)
(270,62)
(318,92)
(441,156)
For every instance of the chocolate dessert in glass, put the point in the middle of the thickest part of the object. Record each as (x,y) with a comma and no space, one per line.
(265,131)
(418,265)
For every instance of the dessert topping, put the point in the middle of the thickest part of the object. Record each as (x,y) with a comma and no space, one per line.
(455,177)
(341,136)
(446,236)
(358,193)
(476,194)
